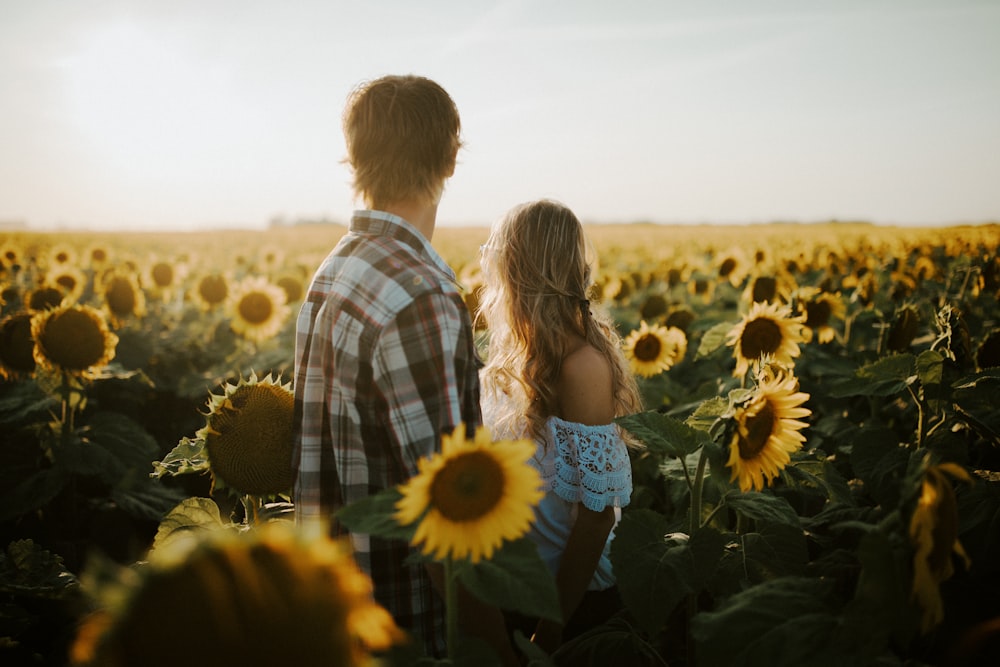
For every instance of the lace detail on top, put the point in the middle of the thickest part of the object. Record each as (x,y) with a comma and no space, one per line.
(589,464)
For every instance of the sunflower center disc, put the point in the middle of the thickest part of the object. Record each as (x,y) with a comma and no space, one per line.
(647,348)
(213,289)
(163,275)
(761,336)
(73,340)
(765,289)
(758,431)
(120,297)
(16,344)
(255,307)
(817,314)
(468,486)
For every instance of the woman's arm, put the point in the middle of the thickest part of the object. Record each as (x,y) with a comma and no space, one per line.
(585,397)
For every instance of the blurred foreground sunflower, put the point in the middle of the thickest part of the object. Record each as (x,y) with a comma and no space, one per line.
(934,534)
(472,496)
(267,596)
(767,431)
(73,339)
(248,436)
(653,349)
(766,330)
(257,309)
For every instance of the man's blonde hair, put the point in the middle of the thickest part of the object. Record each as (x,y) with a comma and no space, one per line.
(402,134)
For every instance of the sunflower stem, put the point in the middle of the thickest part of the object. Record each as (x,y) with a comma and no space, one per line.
(696,488)
(920,416)
(451,607)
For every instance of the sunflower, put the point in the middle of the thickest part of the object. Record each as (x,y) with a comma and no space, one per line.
(767,430)
(472,496)
(617,289)
(934,534)
(123,298)
(74,339)
(161,278)
(211,291)
(768,329)
(732,267)
(17,358)
(903,329)
(69,279)
(11,255)
(257,309)
(291,283)
(60,254)
(988,352)
(702,287)
(44,298)
(653,349)
(270,258)
(820,308)
(96,256)
(248,436)
(772,287)
(265,596)
(653,306)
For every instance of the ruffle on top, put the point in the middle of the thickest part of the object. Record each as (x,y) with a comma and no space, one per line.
(587,464)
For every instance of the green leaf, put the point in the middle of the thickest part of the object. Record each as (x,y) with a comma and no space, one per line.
(763,507)
(930,367)
(375,515)
(143,497)
(885,377)
(774,550)
(189,456)
(880,462)
(191,516)
(515,578)
(124,439)
(882,606)
(713,339)
(663,434)
(26,569)
(32,493)
(656,572)
(785,621)
(616,642)
(24,404)
(706,414)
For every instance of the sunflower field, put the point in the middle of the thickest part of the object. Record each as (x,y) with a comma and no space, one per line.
(818,482)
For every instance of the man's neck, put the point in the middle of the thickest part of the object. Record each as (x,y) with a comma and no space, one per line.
(422,215)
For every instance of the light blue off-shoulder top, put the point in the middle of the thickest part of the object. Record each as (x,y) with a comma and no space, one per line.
(579,464)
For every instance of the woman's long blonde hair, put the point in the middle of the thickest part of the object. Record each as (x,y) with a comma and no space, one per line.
(537,280)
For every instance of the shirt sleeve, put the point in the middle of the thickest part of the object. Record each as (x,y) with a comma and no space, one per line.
(592,465)
(415,368)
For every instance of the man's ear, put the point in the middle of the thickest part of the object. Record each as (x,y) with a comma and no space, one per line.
(451,168)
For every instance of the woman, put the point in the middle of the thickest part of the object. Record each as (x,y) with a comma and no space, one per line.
(555,373)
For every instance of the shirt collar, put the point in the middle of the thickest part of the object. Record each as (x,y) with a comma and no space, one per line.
(372,222)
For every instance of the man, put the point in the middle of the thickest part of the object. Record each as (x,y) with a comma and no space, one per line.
(385,361)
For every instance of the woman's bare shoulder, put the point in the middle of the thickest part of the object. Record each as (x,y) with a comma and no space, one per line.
(584,391)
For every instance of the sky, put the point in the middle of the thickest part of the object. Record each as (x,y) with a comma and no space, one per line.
(194,114)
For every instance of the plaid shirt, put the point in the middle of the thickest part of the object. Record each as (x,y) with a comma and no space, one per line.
(385,363)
